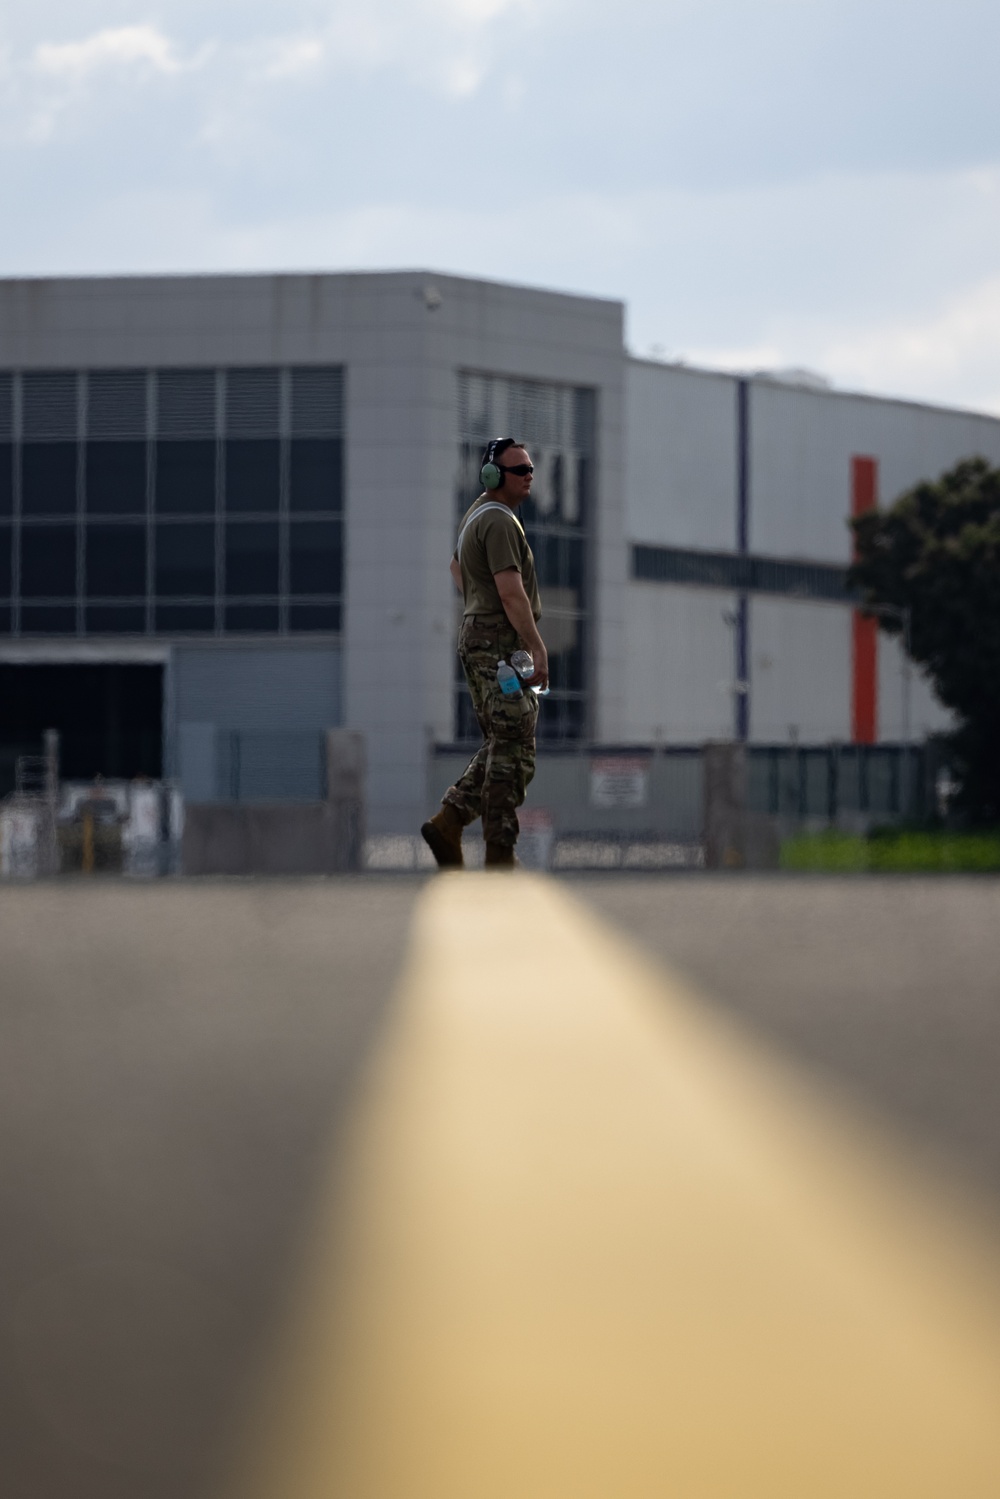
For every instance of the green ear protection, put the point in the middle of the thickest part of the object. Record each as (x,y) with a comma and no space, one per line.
(491,475)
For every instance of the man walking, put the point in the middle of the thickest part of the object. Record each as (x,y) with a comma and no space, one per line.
(495,572)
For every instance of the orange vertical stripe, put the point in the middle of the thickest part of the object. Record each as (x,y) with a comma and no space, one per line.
(864,635)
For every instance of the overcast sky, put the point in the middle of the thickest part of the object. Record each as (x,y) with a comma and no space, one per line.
(776,183)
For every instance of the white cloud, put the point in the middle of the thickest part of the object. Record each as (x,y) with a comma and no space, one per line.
(954,347)
(482,12)
(115,47)
(463,77)
(290,56)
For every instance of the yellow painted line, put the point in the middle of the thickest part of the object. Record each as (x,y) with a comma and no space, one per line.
(591,1244)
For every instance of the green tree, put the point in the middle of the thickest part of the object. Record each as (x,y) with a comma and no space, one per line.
(934,558)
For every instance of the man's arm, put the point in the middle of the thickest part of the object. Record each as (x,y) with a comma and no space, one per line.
(456,573)
(510,587)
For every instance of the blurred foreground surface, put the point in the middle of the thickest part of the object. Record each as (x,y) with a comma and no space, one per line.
(179,1061)
(890,987)
(175,1060)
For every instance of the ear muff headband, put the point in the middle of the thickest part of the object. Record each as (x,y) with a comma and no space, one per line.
(491,475)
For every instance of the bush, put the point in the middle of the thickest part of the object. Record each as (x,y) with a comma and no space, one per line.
(894,851)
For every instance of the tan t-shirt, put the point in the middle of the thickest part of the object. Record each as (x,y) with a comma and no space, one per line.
(491,544)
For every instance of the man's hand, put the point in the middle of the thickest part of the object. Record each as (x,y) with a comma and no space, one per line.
(517,608)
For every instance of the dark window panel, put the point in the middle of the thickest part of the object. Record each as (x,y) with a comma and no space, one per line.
(115,561)
(583,472)
(6,477)
(48,478)
(316,470)
(185,559)
(47,619)
(6,622)
(566,667)
(584,418)
(545,549)
(6,552)
(115,619)
(48,561)
(575,563)
(6,404)
(116,478)
(178,618)
(252,468)
(314,617)
(252,557)
(315,556)
(262,617)
(185,477)
(732,570)
(561,719)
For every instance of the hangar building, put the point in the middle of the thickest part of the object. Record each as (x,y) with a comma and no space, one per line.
(227,504)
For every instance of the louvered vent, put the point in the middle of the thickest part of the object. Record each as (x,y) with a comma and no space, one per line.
(116,403)
(252,403)
(539,413)
(185,403)
(317,402)
(6,406)
(49,405)
(475,394)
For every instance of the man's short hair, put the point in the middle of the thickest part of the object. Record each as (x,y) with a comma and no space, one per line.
(499,449)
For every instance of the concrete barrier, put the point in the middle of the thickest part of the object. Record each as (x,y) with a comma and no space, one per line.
(262,838)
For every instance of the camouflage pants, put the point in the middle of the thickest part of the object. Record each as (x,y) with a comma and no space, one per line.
(494,782)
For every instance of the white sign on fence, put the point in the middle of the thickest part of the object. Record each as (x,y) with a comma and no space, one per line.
(619,781)
(534,847)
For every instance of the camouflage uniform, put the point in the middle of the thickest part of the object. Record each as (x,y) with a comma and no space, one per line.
(494,782)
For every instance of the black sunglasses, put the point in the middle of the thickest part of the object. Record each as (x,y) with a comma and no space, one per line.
(520,469)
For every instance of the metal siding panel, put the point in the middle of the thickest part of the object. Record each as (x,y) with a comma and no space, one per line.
(800,672)
(258,690)
(678,664)
(680,457)
(802,443)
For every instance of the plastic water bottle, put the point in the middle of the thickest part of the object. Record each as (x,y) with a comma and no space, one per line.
(525,667)
(510,682)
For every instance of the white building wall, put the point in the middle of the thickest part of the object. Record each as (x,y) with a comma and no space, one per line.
(680,457)
(801,445)
(678,672)
(800,673)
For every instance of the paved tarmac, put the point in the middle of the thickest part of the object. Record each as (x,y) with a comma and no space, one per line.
(175,1060)
(888,987)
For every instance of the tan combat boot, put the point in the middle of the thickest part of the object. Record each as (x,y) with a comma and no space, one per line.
(501,856)
(443,836)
